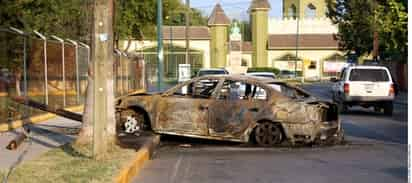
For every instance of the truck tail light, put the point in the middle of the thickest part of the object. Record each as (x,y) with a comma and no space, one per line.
(392,90)
(346,88)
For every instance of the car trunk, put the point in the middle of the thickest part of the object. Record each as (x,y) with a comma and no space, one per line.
(367,88)
(368,82)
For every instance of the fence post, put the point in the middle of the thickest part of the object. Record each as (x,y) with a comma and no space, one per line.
(76,58)
(63,63)
(21,33)
(46,89)
(88,55)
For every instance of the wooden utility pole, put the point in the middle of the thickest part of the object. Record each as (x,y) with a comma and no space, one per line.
(102,74)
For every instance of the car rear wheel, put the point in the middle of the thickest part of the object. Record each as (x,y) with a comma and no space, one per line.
(268,134)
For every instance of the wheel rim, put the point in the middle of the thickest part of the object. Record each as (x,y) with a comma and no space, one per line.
(268,134)
(131,125)
(131,122)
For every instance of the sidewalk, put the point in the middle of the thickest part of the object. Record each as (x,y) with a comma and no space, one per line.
(45,136)
(58,131)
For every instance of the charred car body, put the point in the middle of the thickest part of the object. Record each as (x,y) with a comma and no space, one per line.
(234,108)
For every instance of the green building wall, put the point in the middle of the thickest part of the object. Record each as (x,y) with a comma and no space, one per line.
(259,18)
(218,45)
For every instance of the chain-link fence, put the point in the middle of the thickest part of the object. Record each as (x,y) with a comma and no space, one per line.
(53,71)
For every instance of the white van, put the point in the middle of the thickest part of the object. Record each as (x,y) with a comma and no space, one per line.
(365,86)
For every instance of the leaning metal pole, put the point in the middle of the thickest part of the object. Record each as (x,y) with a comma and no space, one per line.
(159,44)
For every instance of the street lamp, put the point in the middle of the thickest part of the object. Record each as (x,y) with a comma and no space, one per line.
(63,63)
(46,90)
(159,44)
(297,38)
(76,46)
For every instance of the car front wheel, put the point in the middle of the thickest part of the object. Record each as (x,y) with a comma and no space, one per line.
(130,122)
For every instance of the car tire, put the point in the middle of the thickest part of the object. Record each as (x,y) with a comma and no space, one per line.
(130,122)
(388,108)
(268,134)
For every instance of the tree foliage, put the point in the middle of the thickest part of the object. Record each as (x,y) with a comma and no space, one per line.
(136,19)
(357,20)
(59,17)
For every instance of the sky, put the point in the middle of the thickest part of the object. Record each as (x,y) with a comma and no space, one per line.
(234,8)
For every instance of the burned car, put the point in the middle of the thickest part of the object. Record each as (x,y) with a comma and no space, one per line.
(234,108)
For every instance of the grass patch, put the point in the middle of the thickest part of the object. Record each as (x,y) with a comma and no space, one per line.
(2,175)
(67,165)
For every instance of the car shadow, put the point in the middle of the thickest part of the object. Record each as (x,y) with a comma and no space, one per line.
(398,115)
(364,132)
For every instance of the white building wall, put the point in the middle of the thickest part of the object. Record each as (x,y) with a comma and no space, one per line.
(306,26)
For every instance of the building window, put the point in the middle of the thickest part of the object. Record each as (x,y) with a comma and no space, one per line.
(310,11)
(292,11)
(244,63)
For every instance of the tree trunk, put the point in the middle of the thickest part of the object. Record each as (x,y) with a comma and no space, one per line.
(86,133)
(99,117)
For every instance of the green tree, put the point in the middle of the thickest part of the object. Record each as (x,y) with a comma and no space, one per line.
(393,29)
(136,19)
(357,20)
(177,17)
(63,18)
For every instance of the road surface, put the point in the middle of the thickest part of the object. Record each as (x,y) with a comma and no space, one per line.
(376,151)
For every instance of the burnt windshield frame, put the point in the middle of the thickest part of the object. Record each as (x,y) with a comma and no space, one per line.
(298,92)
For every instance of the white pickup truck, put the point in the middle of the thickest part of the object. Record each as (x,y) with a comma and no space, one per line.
(365,86)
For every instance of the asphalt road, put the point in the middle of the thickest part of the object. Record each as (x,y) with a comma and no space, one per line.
(376,151)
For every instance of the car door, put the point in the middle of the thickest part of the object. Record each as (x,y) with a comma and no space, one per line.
(237,105)
(185,111)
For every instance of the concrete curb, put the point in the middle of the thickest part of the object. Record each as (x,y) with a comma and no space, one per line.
(142,156)
(4,127)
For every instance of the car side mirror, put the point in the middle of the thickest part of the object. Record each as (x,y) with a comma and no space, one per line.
(334,80)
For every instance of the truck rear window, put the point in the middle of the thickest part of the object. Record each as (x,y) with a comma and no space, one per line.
(368,75)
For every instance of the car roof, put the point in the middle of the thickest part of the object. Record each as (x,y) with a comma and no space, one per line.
(260,73)
(367,67)
(240,77)
(212,69)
